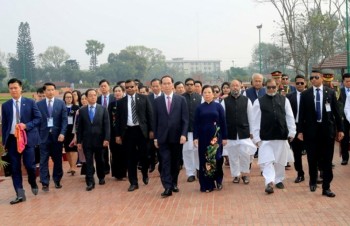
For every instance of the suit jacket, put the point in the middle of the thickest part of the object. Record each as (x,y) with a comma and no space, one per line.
(170,127)
(29,115)
(92,134)
(60,119)
(292,97)
(144,114)
(308,119)
(111,99)
(251,93)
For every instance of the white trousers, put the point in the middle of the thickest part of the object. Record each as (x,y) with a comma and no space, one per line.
(238,157)
(273,172)
(190,156)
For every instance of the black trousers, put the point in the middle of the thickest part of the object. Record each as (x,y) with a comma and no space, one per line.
(297,147)
(90,153)
(170,157)
(106,160)
(135,144)
(320,153)
(344,144)
(118,160)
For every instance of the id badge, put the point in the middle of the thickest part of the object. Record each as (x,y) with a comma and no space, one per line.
(50,122)
(70,120)
(328,107)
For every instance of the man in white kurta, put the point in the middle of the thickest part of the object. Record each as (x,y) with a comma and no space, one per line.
(240,148)
(273,126)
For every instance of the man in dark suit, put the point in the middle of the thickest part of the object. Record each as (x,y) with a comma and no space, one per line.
(297,145)
(153,151)
(53,127)
(104,100)
(319,120)
(170,130)
(257,90)
(23,111)
(189,152)
(286,86)
(344,144)
(92,136)
(134,127)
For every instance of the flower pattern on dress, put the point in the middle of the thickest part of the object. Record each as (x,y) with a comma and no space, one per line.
(210,165)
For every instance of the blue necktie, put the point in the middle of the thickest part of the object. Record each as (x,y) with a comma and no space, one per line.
(318,104)
(17,112)
(91,113)
(49,108)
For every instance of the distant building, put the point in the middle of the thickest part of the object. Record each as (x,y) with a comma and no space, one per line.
(194,66)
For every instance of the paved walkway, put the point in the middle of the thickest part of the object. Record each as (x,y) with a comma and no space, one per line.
(236,204)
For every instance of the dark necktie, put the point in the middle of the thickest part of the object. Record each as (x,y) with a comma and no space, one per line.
(133,110)
(105,101)
(318,104)
(169,104)
(17,112)
(91,113)
(49,108)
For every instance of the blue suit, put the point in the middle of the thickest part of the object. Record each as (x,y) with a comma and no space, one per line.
(49,139)
(168,128)
(252,94)
(30,116)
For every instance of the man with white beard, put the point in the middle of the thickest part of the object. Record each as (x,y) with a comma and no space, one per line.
(273,126)
(240,148)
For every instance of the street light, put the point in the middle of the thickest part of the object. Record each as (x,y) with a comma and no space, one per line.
(259,28)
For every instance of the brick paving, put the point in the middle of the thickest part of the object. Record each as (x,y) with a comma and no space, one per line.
(236,204)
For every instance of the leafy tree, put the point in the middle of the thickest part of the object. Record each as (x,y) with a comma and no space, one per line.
(25,54)
(237,73)
(53,57)
(3,72)
(93,48)
(72,64)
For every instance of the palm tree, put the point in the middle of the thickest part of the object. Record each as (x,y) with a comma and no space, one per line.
(93,48)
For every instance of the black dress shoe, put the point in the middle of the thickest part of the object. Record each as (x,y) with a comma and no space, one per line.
(90,187)
(145,180)
(101,181)
(58,185)
(45,187)
(191,178)
(18,200)
(133,187)
(328,193)
(344,162)
(176,189)
(299,179)
(280,185)
(35,189)
(269,188)
(313,187)
(167,193)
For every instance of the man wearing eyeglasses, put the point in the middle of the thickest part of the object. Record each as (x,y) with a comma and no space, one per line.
(257,90)
(319,123)
(189,152)
(273,125)
(297,145)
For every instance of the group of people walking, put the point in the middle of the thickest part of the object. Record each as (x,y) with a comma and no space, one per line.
(178,123)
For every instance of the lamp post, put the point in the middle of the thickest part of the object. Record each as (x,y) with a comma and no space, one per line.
(282,53)
(347,37)
(259,28)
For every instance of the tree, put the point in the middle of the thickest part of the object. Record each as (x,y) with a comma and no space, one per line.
(3,72)
(25,54)
(237,73)
(93,48)
(72,64)
(272,58)
(53,57)
(312,33)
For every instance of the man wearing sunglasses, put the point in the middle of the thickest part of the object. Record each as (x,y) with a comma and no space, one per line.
(286,86)
(319,123)
(297,145)
(343,99)
(273,125)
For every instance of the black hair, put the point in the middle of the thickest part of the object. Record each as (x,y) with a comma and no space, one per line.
(14,80)
(102,81)
(48,84)
(167,76)
(207,86)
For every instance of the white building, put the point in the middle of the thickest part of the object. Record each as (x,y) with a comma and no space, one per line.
(194,66)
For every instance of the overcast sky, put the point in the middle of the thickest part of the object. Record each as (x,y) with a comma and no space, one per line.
(193,29)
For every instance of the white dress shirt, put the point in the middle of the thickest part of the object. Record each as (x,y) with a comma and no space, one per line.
(13,126)
(130,122)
